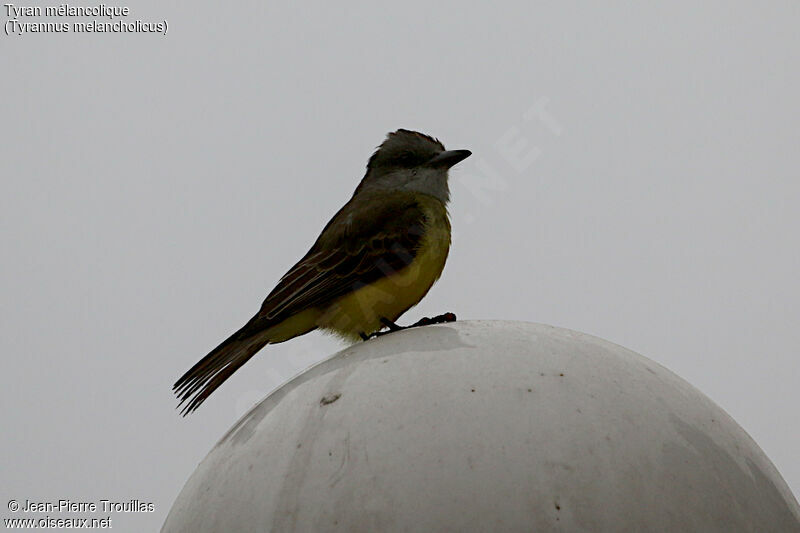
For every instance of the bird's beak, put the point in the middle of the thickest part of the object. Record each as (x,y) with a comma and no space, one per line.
(449,158)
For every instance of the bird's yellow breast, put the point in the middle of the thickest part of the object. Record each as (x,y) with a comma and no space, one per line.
(389,297)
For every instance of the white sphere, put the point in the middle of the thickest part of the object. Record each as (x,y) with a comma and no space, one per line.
(486,426)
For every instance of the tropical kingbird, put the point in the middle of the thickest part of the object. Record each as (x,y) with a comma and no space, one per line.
(375,259)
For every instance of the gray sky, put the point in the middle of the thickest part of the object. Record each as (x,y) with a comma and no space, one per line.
(635,176)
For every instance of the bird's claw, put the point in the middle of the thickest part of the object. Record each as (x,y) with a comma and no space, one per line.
(439,319)
(425,321)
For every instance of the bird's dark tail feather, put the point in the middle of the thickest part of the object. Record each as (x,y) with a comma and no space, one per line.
(212,370)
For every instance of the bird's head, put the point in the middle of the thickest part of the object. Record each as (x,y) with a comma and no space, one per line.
(413,161)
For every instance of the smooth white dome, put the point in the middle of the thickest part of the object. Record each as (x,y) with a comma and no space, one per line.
(486,426)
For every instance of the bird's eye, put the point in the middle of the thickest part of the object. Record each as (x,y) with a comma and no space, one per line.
(406,159)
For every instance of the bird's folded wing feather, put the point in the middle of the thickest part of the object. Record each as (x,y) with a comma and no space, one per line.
(360,245)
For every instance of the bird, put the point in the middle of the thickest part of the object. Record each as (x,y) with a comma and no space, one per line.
(376,258)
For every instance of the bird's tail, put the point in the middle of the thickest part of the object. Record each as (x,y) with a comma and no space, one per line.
(213,369)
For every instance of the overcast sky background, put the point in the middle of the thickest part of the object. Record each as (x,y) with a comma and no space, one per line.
(635,176)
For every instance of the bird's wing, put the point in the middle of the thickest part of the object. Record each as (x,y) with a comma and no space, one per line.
(362,243)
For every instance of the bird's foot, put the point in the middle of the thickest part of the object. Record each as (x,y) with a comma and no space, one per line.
(425,321)
(438,319)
